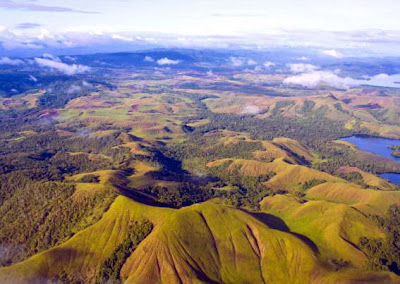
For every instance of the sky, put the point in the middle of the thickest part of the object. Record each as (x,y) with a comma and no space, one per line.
(367,25)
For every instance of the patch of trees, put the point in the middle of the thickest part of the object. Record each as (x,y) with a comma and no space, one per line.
(184,194)
(311,131)
(280,105)
(311,183)
(35,216)
(47,156)
(89,179)
(111,268)
(396,151)
(61,92)
(385,115)
(385,254)
(354,177)
(209,149)
(308,106)
(338,156)
(247,191)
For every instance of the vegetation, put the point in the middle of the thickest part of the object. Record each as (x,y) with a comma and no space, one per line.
(396,151)
(384,254)
(111,268)
(312,183)
(90,162)
(38,215)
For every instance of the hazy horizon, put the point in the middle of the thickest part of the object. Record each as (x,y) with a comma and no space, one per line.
(359,28)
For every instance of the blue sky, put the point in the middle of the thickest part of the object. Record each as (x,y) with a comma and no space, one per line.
(351,24)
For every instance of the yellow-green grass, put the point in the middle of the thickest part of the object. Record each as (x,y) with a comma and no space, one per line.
(334,228)
(370,179)
(213,243)
(288,176)
(366,200)
(346,143)
(204,242)
(83,254)
(294,146)
(104,176)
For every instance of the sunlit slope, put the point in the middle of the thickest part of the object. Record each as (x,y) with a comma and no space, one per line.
(293,147)
(83,254)
(334,228)
(216,244)
(367,200)
(202,243)
(288,176)
(212,243)
(369,179)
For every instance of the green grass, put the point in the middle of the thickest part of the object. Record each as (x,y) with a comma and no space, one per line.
(204,242)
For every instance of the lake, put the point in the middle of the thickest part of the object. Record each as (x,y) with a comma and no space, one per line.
(378,146)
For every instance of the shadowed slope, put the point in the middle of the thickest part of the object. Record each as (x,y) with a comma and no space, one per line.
(334,228)
(202,243)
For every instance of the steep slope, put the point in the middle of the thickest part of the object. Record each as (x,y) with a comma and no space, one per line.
(81,257)
(202,243)
(368,201)
(334,228)
(288,176)
(369,179)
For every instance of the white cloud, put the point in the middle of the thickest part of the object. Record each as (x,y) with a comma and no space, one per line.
(302,68)
(74,89)
(332,52)
(122,38)
(384,80)
(33,78)
(149,59)
(240,61)
(87,84)
(210,73)
(251,109)
(50,56)
(315,78)
(167,61)
(269,64)
(70,58)
(303,58)
(332,79)
(236,61)
(62,67)
(9,61)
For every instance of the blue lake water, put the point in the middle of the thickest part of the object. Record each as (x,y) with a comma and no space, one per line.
(378,146)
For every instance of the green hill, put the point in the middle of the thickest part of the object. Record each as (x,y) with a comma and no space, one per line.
(202,243)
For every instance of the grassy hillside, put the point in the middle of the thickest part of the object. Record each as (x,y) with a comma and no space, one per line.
(334,228)
(288,177)
(366,200)
(204,242)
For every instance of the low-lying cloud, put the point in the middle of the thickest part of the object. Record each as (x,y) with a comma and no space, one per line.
(333,53)
(167,61)
(56,64)
(33,78)
(10,61)
(149,59)
(240,61)
(268,64)
(251,109)
(332,79)
(315,78)
(302,67)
